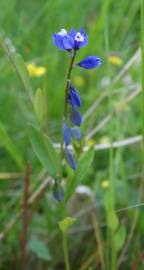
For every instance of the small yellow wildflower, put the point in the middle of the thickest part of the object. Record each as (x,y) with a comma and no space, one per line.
(90,142)
(105,184)
(79,81)
(115,60)
(35,71)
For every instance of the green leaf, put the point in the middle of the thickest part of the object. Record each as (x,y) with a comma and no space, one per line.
(45,151)
(119,238)
(39,105)
(66,223)
(39,248)
(10,147)
(112,220)
(17,62)
(84,164)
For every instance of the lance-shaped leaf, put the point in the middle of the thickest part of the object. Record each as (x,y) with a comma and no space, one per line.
(45,151)
(90,62)
(84,164)
(39,105)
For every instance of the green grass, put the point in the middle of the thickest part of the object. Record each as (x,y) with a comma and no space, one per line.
(112,26)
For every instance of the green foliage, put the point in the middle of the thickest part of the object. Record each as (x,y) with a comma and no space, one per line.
(66,223)
(39,248)
(25,37)
(39,105)
(84,164)
(45,151)
(119,238)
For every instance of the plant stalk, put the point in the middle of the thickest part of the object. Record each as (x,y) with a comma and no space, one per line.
(65,249)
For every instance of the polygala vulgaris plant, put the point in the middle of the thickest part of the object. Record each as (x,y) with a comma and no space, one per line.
(72,42)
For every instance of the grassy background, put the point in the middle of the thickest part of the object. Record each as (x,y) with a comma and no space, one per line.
(112,26)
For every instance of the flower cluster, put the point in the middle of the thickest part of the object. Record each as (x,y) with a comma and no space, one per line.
(71,42)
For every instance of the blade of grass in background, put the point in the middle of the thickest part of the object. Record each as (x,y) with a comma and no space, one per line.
(18,63)
(112,219)
(10,147)
(142,69)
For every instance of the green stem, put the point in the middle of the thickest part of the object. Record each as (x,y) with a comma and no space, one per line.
(68,83)
(65,249)
(66,95)
(142,66)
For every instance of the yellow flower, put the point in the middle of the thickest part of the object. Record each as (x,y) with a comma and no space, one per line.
(90,142)
(105,184)
(35,71)
(79,81)
(115,60)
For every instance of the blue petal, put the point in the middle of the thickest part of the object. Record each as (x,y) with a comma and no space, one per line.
(66,134)
(90,62)
(72,33)
(79,44)
(76,133)
(58,41)
(70,159)
(68,43)
(82,31)
(83,43)
(58,192)
(75,117)
(73,97)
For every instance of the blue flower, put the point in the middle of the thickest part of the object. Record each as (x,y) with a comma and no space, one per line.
(90,62)
(76,133)
(66,134)
(75,117)
(63,41)
(70,159)
(73,97)
(80,38)
(72,40)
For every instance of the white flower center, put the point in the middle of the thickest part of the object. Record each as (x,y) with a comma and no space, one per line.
(63,32)
(79,37)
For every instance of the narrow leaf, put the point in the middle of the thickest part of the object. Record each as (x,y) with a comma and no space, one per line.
(39,105)
(45,151)
(119,238)
(83,166)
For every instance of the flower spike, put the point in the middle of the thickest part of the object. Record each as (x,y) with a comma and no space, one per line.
(71,42)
